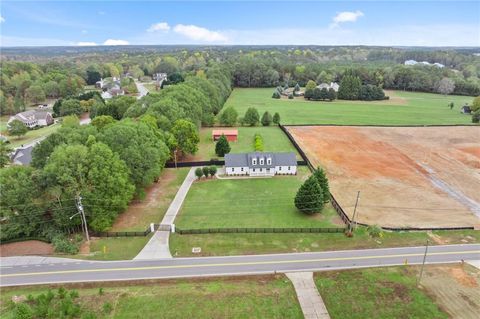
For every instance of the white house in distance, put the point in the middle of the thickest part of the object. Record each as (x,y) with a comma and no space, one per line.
(332,85)
(33,118)
(261,164)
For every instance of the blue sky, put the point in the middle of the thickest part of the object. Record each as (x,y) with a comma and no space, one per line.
(419,23)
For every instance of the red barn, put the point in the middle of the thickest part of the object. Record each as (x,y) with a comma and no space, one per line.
(231,135)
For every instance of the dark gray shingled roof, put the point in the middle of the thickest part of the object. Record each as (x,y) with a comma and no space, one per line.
(245,159)
(23,156)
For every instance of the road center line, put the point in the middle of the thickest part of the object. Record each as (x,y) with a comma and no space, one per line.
(238,263)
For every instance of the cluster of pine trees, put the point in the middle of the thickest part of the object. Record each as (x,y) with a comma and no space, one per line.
(313,194)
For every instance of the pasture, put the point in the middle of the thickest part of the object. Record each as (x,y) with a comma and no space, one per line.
(274,140)
(407,176)
(403,108)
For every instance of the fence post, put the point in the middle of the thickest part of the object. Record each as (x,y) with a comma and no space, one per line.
(172,228)
(152,227)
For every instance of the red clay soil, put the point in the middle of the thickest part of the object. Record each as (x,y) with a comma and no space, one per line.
(393,169)
(29,247)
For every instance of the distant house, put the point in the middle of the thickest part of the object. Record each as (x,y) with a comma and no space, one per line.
(159,77)
(231,135)
(466,109)
(413,62)
(22,155)
(332,85)
(33,118)
(261,164)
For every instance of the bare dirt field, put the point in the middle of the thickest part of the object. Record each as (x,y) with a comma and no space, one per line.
(29,247)
(407,176)
(455,288)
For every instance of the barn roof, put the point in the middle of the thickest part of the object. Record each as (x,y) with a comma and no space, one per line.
(225,132)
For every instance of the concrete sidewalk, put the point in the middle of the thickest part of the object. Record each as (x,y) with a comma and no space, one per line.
(157,247)
(307,293)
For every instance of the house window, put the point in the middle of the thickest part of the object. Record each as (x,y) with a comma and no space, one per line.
(254,170)
(289,168)
(233,169)
(254,161)
(261,169)
(241,169)
(261,161)
(269,161)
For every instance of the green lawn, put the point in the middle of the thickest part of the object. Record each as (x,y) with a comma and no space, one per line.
(404,108)
(383,293)
(254,297)
(247,244)
(273,138)
(259,202)
(32,135)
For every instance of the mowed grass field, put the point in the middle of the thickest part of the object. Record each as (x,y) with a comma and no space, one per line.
(256,202)
(240,297)
(274,140)
(248,244)
(383,293)
(402,109)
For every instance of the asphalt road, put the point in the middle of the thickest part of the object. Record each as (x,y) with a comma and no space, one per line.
(88,271)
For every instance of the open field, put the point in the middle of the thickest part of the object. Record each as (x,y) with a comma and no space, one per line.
(381,293)
(407,176)
(239,297)
(249,244)
(32,135)
(259,202)
(273,138)
(402,108)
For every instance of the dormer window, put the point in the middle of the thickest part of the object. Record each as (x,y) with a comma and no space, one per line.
(254,161)
(261,161)
(269,161)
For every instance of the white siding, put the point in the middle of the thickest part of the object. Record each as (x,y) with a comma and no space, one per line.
(236,170)
(291,170)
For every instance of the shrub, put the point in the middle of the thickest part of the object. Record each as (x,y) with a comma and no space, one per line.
(276,118)
(205,171)
(476,104)
(266,119)
(276,94)
(290,96)
(62,244)
(476,116)
(212,170)
(22,311)
(229,116)
(374,231)
(258,143)
(251,117)
(199,172)
(101,291)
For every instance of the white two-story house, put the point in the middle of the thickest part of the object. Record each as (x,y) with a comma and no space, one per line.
(261,164)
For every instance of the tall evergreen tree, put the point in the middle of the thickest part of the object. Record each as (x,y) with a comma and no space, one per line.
(309,198)
(276,118)
(322,179)
(266,119)
(222,147)
(349,88)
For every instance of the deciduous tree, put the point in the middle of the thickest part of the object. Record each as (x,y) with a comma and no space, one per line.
(17,128)
(186,135)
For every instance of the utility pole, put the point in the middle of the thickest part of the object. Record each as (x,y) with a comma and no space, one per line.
(355,211)
(82,214)
(423,264)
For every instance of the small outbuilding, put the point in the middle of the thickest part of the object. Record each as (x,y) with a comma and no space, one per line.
(231,135)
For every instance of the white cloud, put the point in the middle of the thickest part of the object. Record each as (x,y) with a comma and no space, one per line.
(115,42)
(86,44)
(2,19)
(84,31)
(346,16)
(161,26)
(199,34)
